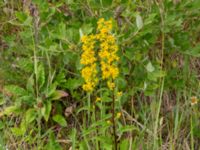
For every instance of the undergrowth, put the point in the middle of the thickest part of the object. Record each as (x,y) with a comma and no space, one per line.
(99,74)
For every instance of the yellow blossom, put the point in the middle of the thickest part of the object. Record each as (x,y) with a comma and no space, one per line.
(108,51)
(107,56)
(88,59)
(194,100)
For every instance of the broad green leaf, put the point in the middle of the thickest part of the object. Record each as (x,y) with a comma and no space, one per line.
(18,131)
(15,90)
(58,94)
(60,120)
(124,144)
(30,116)
(46,110)
(9,110)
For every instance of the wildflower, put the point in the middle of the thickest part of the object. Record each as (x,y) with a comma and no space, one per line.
(194,100)
(88,59)
(119,114)
(107,53)
(107,56)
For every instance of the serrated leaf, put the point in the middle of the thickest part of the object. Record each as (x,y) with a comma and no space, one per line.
(60,120)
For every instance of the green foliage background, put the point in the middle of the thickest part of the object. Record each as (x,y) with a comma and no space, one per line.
(42,103)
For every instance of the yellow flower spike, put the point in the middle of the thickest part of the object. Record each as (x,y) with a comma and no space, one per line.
(194,100)
(119,114)
(107,56)
(108,52)
(88,59)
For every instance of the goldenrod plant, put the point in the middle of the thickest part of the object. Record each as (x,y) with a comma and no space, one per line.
(99,74)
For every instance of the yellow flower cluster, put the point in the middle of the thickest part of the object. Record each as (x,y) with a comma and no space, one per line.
(107,55)
(88,59)
(108,50)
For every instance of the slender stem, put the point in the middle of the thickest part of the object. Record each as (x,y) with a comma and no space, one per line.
(161,82)
(113,120)
(89,106)
(97,131)
(191,132)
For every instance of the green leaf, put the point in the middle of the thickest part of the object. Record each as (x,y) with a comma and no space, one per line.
(25,64)
(195,52)
(30,116)
(58,94)
(156,74)
(73,83)
(46,110)
(15,90)
(52,144)
(60,120)
(40,75)
(127,128)
(150,67)
(85,29)
(9,110)
(124,144)
(21,16)
(2,124)
(18,131)
(139,22)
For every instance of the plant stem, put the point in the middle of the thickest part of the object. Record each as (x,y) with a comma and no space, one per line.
(89,106)
(113,121)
